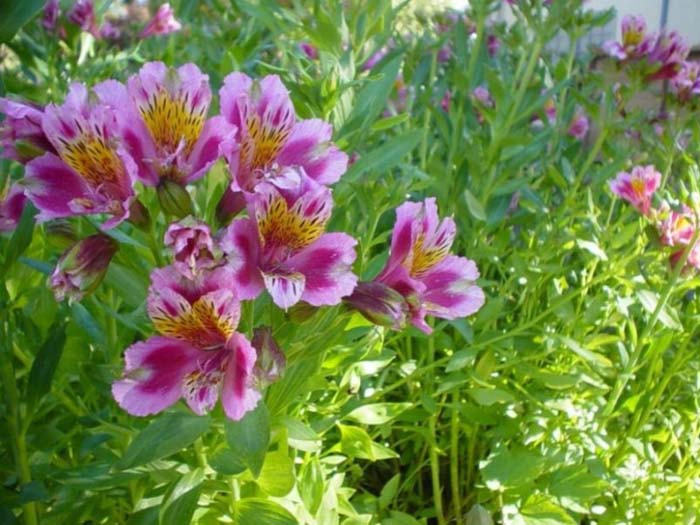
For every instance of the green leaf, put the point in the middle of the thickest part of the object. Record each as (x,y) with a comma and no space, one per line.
(14,14)
(248,438)
(311,485)
(377,413)
(490,396)
(512,468)
(593,248)
(356,443)
(475,207)
(256,511)
(400,518)
(22,236)
(460,359)
(277,474)
(181,502)
(667,316)
(44,365)
(539,510)
(226,461)
(389,491)
(385,156)
(163,437)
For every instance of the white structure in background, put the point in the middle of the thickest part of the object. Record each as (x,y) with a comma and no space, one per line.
(683,15)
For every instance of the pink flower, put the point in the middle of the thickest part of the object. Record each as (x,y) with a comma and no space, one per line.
(91,172)
(686,83)
(162,23)
(444,54)
(82,14)
(21,135)
(51,12)
(81,268)
(482,96)
(637,187)
(668,54)
(199,356)
(375,58)
(282,246)
(11,207)
(379,304)
(493,44)
(676,228)
(192,246)
(420,267)
(162,118)
(636,43)
(268,134)
(446,100)
(550,110)
(579,126)
(309,50)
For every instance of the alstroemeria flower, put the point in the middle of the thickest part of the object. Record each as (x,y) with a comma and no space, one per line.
(162,23)
(162,117)
(21,135)
(282,246)
(11,207)
(636,43)
(579,126)
(686,83)
(82,14)
(192,246)
(50,17)
(269,135)
(199,356)
(110,31)
(92,173)
(420,267)
(668,54)
(309,50)
(637,187)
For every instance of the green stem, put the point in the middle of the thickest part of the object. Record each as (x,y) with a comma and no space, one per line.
(426,115)
(433,452)
(454,458)
(634,358)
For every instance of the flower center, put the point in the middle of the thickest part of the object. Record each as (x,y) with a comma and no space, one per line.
(90,157)
(427,256)
(263,143)
(172,123)
(638,187)
(280,226)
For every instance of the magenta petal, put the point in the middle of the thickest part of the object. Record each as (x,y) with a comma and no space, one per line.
(285,289)
(308,146)
(403,236)
(216,141)
(327,266)
(450,289)
(242,245)
(234,98)
(11,207)
(51,186)
(153,375)
(238,395)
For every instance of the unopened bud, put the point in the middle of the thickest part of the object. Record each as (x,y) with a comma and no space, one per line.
(174,199)
(380,304)
(82,267)
(230,205)
(271,361)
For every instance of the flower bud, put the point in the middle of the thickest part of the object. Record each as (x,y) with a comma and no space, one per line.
(11,207)
(192,247)
(271,361)
(21,135)
(138,215)
(174,199)
(230,205)
(82,266)
(379,304)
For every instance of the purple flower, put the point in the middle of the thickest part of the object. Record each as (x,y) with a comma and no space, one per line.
(269,135)
(282,246)
(91,172)
(579,126)
(309,50)
(82,14)
(668,54)
(109,31)
(686,83)
(420,267)
(446,101)
(162,23)
(637,187)
(636,42)
(21,135)
(162,118)
(192,246)
(380,304)
(444,54)
(199,356)
(493,44)
(82,267)
(375,58)
(51,12)
(483,96)
(11,207)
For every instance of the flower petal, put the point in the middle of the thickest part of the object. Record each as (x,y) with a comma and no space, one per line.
(238,396)
(286,289)
(153,375)
(215,141)
(327,267)
(450,289)
(242,245)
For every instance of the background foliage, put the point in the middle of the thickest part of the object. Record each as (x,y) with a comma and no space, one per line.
(511,416)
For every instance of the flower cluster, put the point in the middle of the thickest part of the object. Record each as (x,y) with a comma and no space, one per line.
(85,156)
(676,227)
(660,55)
